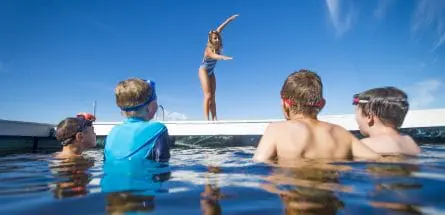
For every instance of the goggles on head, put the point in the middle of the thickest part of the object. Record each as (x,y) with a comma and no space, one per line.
(356,100)
(87,116)
(318,104)
(84,120)
(152,97)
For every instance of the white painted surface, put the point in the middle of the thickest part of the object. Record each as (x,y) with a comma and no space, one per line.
(414,118)
(25,129)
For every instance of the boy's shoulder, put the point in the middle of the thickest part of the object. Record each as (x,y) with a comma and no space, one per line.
(335,129)
(156,124)
(386,144)
(142,128)
(285,127)
(295,125)
(410,145)
(147,124)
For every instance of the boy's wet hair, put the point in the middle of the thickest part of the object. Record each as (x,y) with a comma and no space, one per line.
(132,92)
(67,128)
(303,91)
(389,104)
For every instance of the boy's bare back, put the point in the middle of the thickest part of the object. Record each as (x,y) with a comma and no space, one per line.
(302,135)
(309,138)
(392,145)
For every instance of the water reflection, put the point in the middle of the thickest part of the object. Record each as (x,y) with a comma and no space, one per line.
(211,195)
(124,202)
(393,184)
(73,176)
(133,186)
(308,188)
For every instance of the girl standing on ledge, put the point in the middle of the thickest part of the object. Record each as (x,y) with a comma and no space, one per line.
(206,73)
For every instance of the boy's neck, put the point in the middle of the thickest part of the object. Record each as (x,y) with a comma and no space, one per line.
(379,130)
(71,150)
(300,116)
(137,118)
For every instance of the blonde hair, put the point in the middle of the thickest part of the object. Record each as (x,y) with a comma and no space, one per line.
(214,47)
(132,92)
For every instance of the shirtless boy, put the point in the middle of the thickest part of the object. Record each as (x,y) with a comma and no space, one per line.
(302,135)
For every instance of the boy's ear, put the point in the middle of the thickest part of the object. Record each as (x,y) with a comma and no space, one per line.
(152,108)
(323,103)
(370,120)
(284,104)
(285,107)
(79,136)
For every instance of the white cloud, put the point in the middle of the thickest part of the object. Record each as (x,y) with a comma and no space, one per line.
(176,116)
(424,93)
(382,8)
(342,15)
(440,41)
(430,13)
(171,115)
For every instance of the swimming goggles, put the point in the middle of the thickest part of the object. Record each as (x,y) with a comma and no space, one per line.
(152,97)
(356,100)
(317,104)
(84,120)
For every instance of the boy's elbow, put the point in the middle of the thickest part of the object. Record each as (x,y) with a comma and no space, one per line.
(258,158)
(261,158)
(416,151)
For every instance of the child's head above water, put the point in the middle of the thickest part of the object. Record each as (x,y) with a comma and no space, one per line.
(136,98)
(302,93)
(386,106)
(77,132)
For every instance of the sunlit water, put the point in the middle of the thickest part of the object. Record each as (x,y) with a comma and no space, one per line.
(223,180)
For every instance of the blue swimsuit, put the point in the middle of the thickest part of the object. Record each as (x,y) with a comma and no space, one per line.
(208,64)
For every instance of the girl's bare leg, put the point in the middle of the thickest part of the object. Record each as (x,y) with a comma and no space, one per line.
(207,91)
(213,97)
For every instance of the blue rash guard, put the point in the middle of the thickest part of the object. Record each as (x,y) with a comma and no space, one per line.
(136,139)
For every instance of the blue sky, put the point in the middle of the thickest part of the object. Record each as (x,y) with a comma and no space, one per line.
(57,57)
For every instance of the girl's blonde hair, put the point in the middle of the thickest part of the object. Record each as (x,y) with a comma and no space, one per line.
(214,47)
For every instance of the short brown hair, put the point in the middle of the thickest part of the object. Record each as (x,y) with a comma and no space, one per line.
(132,92)
(389,104)
(304,91)
(67,128)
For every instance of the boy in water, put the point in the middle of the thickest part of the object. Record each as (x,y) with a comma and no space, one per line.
(76,134)
(302,135)
(380,112)
(137,138)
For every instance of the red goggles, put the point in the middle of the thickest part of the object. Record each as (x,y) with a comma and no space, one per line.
(356,100)
(87,116)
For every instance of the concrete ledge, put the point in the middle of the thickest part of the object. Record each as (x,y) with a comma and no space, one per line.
(24,129)
(414,119)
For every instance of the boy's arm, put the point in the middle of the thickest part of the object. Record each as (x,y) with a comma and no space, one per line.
(221,27)
(266,148)
(161,149)
(360,150)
